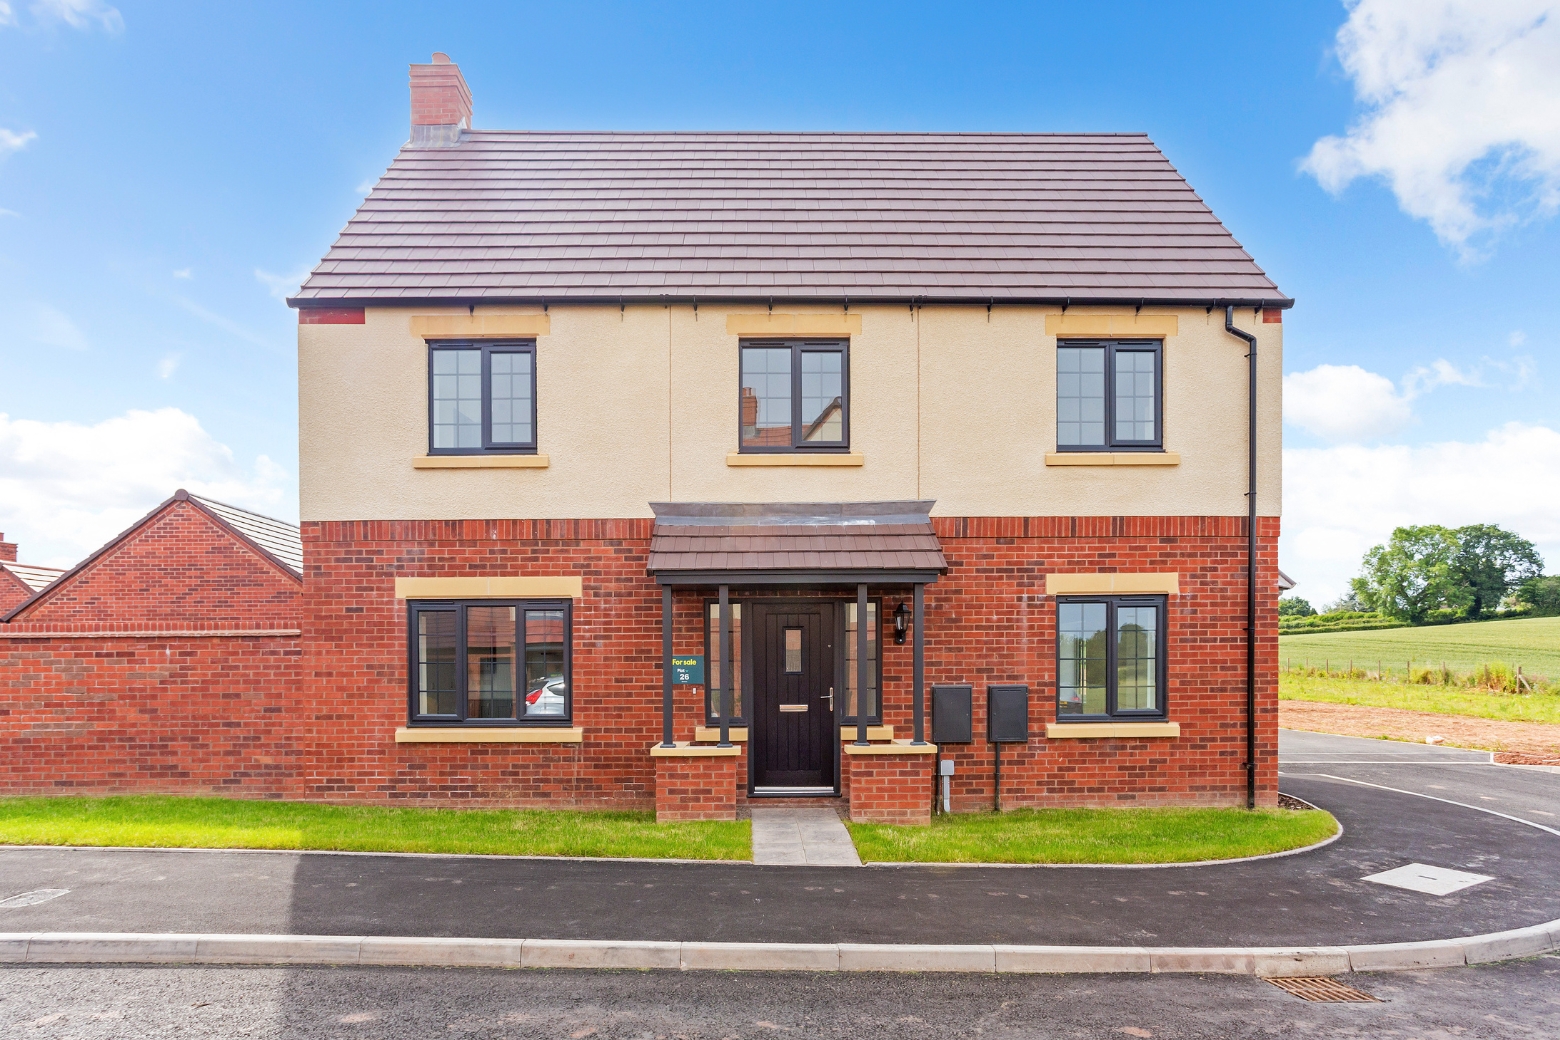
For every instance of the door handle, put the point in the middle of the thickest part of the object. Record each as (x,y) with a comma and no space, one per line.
(831,698)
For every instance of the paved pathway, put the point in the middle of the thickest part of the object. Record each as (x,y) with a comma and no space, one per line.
(802,837)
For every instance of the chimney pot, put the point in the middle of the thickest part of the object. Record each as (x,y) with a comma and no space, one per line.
(441,103)
(440,58)
(7,549)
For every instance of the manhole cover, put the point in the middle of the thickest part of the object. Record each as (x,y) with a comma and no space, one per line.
(1323,989)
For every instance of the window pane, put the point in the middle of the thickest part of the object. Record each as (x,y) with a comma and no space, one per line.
(850,659)
(766,397)
(546,688)
(490,662)
(1080,665)
(712,673)
(457,398)
(436,662)
(793,651)
(1134,395)
(1080,397)
(1137,675)
(823,407)
(511,397)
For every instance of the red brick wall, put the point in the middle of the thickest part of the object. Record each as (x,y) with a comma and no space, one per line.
(13,592)
(890,788)
(180,567)
(703,788)
(988,621)
(186,716)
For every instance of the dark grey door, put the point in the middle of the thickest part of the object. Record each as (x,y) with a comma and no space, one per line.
(795,743)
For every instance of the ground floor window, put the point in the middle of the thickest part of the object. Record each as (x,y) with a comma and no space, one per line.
(490,662)
(1110,657)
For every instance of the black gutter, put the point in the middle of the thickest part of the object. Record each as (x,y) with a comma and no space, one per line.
(1251,554)
(855,298)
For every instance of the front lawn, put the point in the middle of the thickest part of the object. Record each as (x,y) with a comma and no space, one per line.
(1443,700)
(1094,836)
(222,823)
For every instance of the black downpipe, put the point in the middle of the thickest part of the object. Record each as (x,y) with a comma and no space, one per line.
(1251,554)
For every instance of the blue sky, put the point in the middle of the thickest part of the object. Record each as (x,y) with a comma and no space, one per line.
(168,171)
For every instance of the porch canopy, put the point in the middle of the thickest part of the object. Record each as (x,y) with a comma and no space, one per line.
(722,544)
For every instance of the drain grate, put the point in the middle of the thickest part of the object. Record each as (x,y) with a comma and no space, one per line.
(1323,989)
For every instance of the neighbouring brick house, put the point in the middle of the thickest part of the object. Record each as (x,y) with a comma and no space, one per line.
(168,661)
(688,470)
(19,582)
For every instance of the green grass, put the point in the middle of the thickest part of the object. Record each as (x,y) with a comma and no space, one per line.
(1094,836)
(1443,700)
(1533,643)
(222,823)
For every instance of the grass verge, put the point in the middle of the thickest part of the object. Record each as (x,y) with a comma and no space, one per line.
(1443,700)
(1533,643)
(223,823)
(1094,836)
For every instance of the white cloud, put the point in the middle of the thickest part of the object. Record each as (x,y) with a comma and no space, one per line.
(184,272)
(227,325)
(66,488)
(1340,501)
(281,285)
(80,14)
(1461,111)
(42,325)
(7,16)
(10,141)
(168,366)
(8,212)
(1517,338)
(1422,379)
(1344,403)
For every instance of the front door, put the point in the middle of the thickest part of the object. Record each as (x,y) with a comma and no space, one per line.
(794,742)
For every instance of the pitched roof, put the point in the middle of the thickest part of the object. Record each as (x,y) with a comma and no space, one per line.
(793,539)
(282,540)
(543,216)
(35,578)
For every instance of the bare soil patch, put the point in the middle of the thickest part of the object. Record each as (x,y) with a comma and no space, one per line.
(1519,743)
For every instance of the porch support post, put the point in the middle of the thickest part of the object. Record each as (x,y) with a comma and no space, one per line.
(861,665)
(666,667)
(725,666)
(918,682)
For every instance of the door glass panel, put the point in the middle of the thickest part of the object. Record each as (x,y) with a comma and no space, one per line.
(1137,674)
(1134,395)
(511,398)
(546,690)
(490,662)
(712,673)
(436,662)
(823,383)
(1080,396)
(1081,659)
(457,399)
(793,651)
(766,397)
(850,659)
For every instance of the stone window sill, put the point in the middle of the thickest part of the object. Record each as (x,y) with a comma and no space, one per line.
(737,458)
(686,750)
(481,462)
(898,747)
(703,734)
(490,735)
(1113,458)
(1110,730)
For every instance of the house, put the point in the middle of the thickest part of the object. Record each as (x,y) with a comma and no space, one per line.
(167,661)
(845,423)
(20,581)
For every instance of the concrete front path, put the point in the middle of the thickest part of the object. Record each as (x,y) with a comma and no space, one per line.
(802,837)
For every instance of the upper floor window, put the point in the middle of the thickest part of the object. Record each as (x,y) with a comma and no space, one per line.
(1110,658)
(795,395)
(490,662)
(1108,395)
(481,398)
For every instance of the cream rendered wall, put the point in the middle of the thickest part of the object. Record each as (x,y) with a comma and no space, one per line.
(641,405)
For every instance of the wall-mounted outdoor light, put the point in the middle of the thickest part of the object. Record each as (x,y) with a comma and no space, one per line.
(901,622)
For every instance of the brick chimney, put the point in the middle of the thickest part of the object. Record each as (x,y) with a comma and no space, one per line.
(7,549)
(441,103)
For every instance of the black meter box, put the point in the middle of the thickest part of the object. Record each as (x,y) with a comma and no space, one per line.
(953,713)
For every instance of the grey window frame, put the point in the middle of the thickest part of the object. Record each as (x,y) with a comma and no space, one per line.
(488,349)
(1161,662)
(1112,346)
(799,347)
(460,719)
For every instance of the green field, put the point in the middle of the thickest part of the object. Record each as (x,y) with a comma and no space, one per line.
(1442,700)
(223,823)
(1532,643)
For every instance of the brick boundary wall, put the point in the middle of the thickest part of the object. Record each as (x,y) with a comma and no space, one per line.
(698,788)
(890,788)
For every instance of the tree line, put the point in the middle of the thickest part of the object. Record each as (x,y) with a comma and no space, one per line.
(1433,573)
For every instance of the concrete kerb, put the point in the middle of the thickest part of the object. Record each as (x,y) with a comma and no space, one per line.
(391,951)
